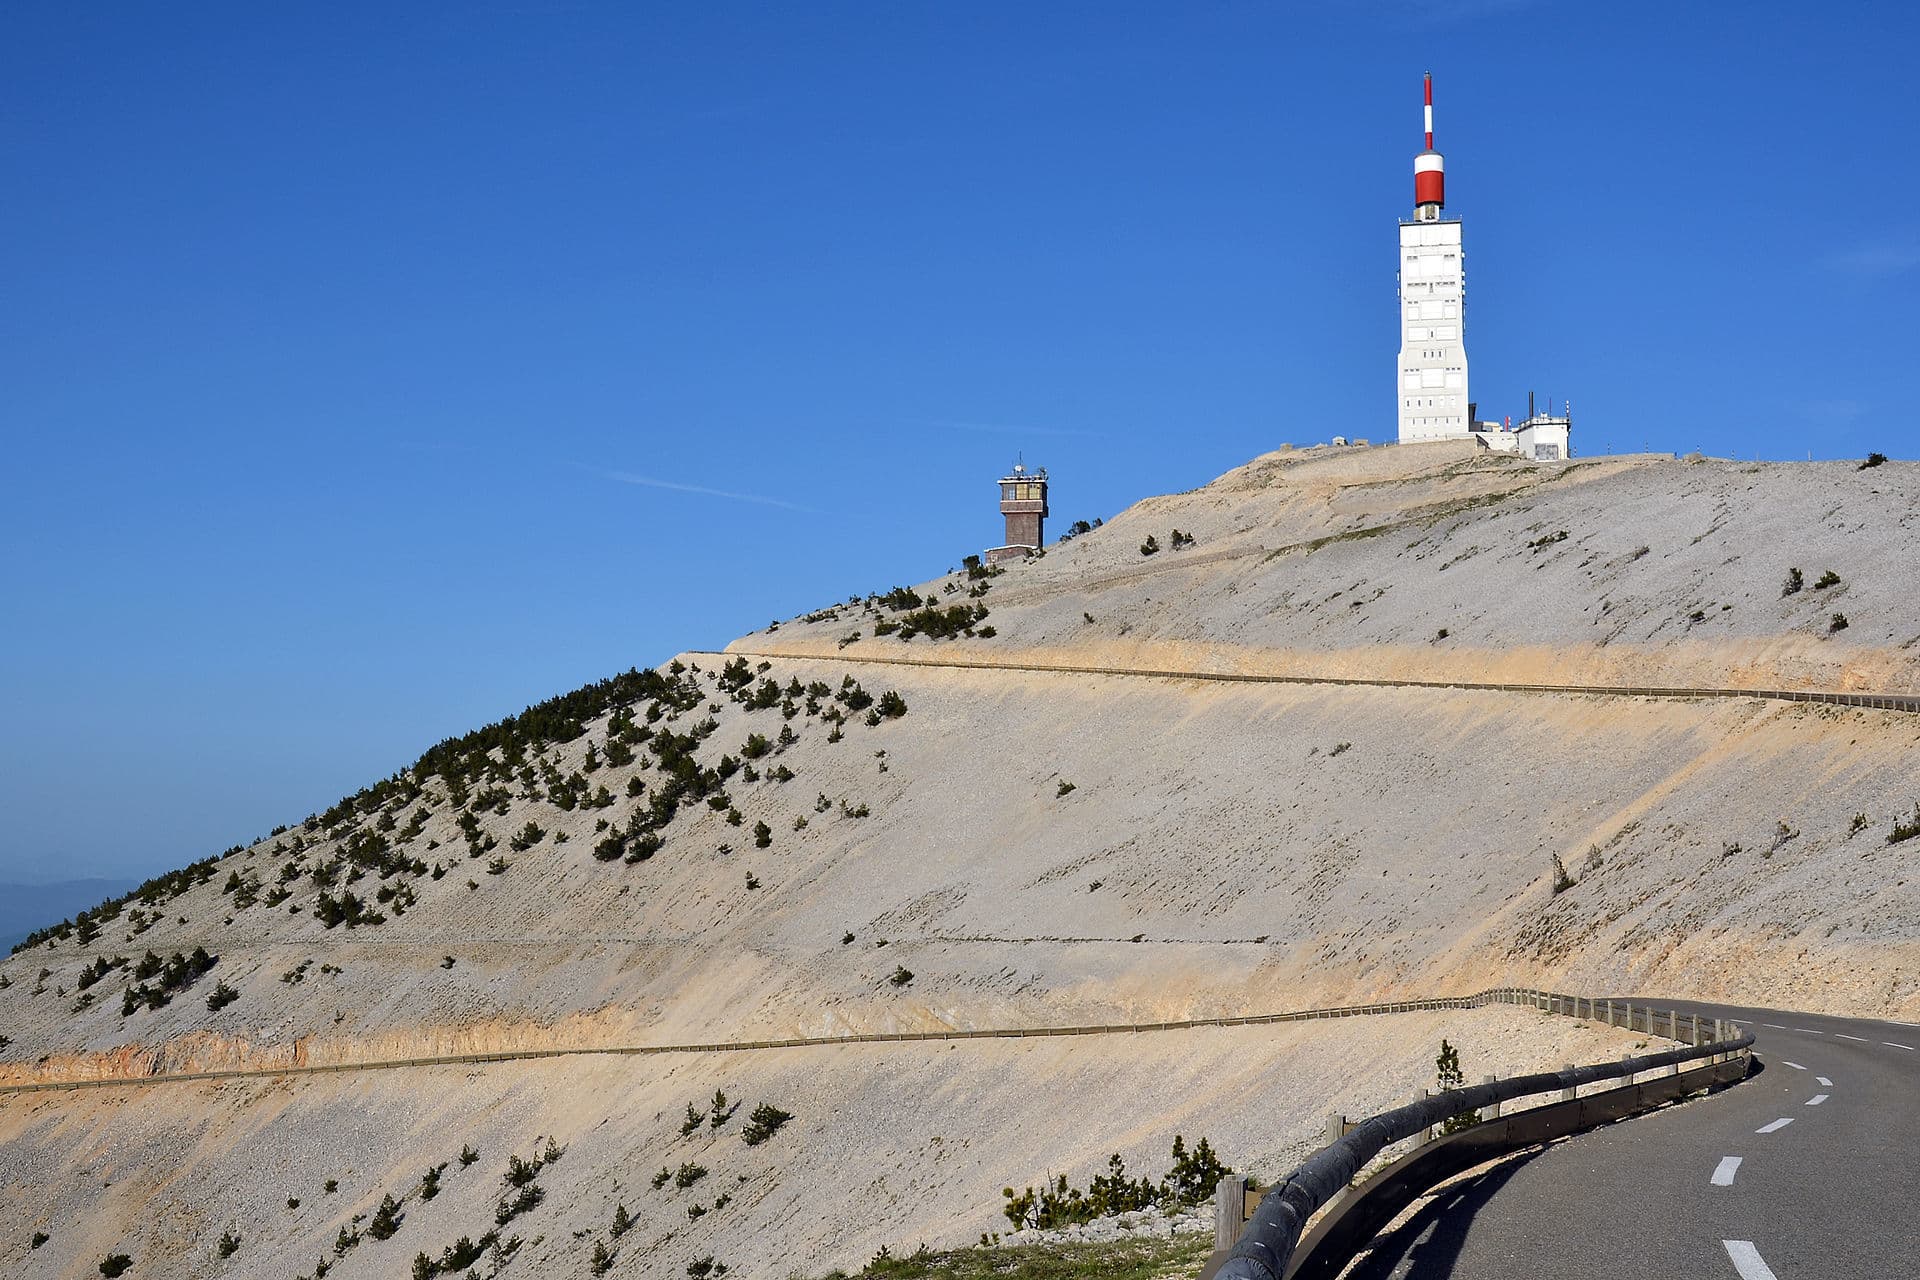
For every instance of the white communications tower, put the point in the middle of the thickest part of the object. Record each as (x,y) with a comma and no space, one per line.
(1433,348)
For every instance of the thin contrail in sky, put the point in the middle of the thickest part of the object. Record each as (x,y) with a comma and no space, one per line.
(628,477)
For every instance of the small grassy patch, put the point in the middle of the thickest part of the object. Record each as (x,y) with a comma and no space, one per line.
(1181,1256)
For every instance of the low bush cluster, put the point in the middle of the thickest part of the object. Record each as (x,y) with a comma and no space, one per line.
(169,978)
(765,1121)
(1191,1181)
(940,624)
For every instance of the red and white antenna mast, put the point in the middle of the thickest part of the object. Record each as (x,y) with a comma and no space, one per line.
(1429,171)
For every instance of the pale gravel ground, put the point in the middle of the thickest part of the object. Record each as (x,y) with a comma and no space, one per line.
(1650,541)
(1259,870)
(890,1145)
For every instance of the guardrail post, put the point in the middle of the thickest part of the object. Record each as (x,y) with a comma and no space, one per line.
(1492,1109)
(1336,1128)
(1630,1076)
(1425,1136)
(1628,1024)
(1571,1092)
(1609,1013)
(1229,1210)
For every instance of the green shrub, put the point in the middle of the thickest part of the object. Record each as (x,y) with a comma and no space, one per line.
(1827,579)
(1447,1075)
(1191,1181)
(223,995)
(602,1261)
(115,1264)
(527,1198)
(688,1173)
(765,1121)
(170,978)
(1064,788)
(1838,622)
(1905,829)
(762,835)
(1873,460)
(520,1172)
(39,1238)
(891,705)
(386,1219)
(1150,547)
(1793,584)
(228,1246)
(900,976)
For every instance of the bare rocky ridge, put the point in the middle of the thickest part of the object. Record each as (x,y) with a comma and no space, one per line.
(1036,849)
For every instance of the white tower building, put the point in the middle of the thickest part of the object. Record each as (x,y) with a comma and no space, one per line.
(1433,349)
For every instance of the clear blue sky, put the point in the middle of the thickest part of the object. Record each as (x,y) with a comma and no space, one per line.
(368,371)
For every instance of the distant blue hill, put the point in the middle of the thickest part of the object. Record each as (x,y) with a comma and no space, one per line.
(27,907)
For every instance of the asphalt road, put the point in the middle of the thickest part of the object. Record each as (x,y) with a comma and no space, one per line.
(1810,1170)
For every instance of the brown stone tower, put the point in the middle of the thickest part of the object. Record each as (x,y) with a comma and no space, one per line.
(1023,501)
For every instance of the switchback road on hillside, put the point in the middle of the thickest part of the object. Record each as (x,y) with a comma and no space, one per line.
(528,1054)
(1872,701)
(1809,1171)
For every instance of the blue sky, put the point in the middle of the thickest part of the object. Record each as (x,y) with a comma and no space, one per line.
(370,371)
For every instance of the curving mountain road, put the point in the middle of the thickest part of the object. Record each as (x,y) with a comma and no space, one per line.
(1808,1171)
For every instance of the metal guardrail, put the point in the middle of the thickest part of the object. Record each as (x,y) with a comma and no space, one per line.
(1267,1249)
(1869,701)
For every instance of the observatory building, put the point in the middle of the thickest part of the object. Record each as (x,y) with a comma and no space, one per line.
(1435,402)
(1023,501)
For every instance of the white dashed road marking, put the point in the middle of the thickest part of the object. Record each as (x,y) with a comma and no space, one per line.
(1723,1174)
(1796,1066)
(1747,1260)
(1841,1035)
(1891,1045)
(1777,1124)
(1817,1099)
(1809,1031)
(1775,1025)
(1823,1080)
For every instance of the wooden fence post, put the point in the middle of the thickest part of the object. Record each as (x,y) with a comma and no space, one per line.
(1229,1210)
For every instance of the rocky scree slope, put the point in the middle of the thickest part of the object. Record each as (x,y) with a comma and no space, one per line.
(747,847)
